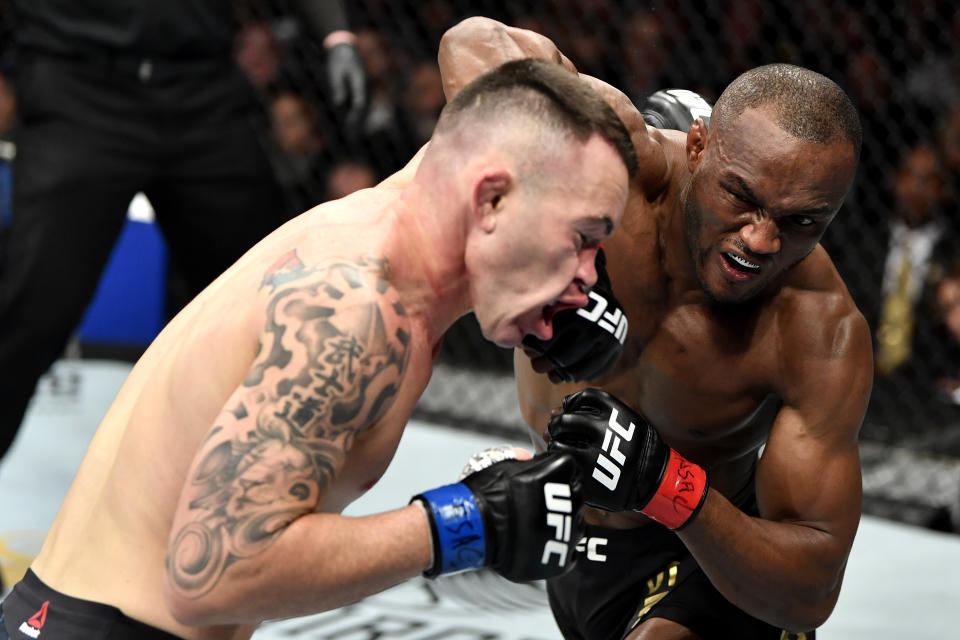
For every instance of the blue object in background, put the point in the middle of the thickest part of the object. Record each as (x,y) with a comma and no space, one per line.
(128,308)
(6,188)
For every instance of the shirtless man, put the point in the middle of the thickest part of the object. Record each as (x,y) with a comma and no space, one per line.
(209,498)
(745,353)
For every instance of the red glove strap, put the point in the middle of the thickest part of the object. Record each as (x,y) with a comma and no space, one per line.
(680,494)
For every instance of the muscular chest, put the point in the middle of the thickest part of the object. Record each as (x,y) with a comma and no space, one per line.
(698,392)
(703,377)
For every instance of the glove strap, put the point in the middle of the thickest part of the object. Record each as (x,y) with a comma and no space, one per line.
(680,495)
(456,524)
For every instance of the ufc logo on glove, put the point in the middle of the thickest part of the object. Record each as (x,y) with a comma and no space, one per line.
(612,437)
(633,469)
(559,517)
(614,322)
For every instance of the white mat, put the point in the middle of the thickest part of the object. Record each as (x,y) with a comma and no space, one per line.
(902,582)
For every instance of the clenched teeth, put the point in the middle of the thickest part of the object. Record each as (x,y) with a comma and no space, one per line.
(746,264)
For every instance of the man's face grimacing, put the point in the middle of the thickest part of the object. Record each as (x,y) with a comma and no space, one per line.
(539,255)
(758,203)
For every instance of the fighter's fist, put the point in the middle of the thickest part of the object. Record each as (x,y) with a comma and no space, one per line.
(625,463)
(675,109)
(521,518)
(586,342)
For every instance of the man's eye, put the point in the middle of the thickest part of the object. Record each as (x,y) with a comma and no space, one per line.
(803,221)
(739,197)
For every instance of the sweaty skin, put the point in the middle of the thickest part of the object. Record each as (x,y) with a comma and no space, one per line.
(209,498)
(784,364)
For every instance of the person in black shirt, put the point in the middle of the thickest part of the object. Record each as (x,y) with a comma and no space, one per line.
(124,96)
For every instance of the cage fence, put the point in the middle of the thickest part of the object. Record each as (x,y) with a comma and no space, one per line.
(899,63)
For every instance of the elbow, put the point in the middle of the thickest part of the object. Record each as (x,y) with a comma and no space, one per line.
(186,611)
(808,614)
(811,619)
(822,610)
(193,610)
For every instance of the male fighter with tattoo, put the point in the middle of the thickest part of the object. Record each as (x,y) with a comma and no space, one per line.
(209,498)
(721,455)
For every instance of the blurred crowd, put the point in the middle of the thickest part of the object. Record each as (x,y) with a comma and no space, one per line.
(896,242)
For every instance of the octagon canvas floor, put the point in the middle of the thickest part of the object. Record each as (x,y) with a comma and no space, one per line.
(901,582)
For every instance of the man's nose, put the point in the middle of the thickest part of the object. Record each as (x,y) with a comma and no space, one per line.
(586,275)
(761,235)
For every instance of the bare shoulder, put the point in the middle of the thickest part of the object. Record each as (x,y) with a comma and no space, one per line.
(815,308)
(337,328)
(819,323)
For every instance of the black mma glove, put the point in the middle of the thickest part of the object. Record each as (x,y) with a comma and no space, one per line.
(521,518)
(675,109)
(624,462)
(586,342)
(347,78)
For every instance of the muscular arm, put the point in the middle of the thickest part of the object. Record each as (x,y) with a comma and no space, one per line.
(478,44)
(248,540)
(786,566)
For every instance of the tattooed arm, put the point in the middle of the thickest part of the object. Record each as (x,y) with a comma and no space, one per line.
(247,541)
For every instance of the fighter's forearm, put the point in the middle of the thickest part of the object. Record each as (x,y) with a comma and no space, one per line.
(784,573)
(478,44)
(320,562)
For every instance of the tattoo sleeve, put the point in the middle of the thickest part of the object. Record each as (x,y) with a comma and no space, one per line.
(331,359)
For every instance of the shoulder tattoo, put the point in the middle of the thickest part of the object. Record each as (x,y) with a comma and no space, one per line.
(331,360)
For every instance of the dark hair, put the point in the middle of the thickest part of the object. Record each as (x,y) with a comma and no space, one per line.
(555,96)
(808,105)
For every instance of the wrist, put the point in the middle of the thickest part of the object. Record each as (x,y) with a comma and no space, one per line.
(422,507)
(456,529)
(680,494)
(340,36)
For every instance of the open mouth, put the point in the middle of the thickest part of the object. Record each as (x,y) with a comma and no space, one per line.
(548,311)
(740,264)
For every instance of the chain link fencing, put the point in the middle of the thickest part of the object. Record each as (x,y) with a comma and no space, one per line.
(900,64)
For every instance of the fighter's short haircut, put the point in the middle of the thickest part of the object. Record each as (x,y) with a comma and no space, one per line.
(808,105)
(555,97)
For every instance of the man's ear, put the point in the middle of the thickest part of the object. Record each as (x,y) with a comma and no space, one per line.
(696,143)
(488,195)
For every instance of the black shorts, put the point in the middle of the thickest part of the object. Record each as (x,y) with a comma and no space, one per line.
(626,576)
(34,610)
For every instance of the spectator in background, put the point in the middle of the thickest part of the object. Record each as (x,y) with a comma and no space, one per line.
(919,238)
(117,98)
(384,128)
(423,100)
(381,70)
(919,234)
(298,150)
(257,54)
